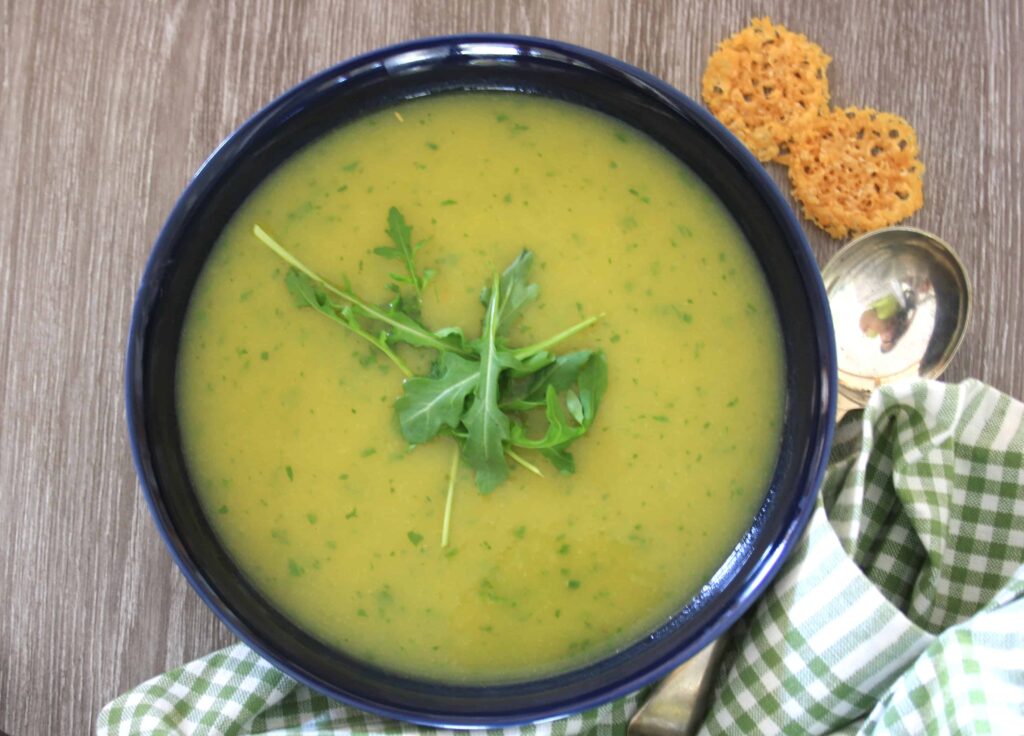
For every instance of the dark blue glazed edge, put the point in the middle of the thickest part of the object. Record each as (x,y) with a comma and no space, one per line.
(766,568)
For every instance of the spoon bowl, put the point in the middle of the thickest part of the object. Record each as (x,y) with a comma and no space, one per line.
(900,302)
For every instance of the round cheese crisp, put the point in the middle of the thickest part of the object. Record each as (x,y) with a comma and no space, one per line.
(766,83)
(856,170)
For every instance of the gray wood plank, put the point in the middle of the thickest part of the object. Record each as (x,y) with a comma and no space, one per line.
(105,110)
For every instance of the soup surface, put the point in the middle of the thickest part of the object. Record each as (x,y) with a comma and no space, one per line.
(290,431)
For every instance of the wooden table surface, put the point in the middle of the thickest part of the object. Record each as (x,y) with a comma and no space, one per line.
(107,108)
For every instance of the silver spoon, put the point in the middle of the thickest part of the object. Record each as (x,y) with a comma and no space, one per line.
(900,302)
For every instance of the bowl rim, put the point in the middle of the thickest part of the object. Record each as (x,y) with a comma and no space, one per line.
(766,568)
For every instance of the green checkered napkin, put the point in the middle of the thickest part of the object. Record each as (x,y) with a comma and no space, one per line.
(901,611)
(235,692)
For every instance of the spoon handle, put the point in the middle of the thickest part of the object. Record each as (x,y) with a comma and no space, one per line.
(845,405)
(678,706)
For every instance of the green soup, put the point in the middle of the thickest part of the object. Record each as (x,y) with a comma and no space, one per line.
(288,421)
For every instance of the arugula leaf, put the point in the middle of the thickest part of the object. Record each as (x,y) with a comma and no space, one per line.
(409,330)
(488,427)
(593,382)
(588,372)
(430,403)
(404,328)
(521,368)
(306,292)
(514,292)
(574,405)
(561,373)
(526,392)
(559,433)
(560,458)
(404,250)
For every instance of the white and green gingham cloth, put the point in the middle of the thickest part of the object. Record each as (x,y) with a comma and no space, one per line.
(900,612)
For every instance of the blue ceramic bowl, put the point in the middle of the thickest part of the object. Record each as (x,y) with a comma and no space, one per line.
(479,62)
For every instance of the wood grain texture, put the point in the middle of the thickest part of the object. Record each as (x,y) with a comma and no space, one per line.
(107,108)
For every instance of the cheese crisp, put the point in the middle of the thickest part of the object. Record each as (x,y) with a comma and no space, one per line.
(856,170)
(766,83)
